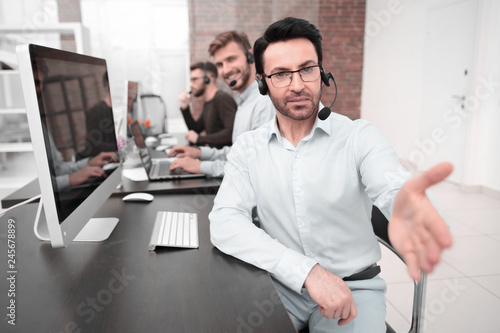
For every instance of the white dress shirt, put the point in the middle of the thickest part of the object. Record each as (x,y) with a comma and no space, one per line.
(314,201)
(253,111)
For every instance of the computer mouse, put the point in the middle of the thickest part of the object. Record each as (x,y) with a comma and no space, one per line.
(138,196)
(150,140)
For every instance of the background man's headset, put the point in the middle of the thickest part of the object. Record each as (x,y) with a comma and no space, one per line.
(325,111)
(206,79)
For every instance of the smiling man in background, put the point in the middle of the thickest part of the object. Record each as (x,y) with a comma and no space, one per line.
(234,60)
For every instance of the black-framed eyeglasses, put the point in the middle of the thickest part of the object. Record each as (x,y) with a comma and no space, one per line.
(283,79)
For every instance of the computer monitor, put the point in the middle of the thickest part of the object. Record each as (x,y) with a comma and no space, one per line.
(70,119)
(132,93)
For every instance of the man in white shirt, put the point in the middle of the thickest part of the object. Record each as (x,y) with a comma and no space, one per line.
(233,57)
(314,183)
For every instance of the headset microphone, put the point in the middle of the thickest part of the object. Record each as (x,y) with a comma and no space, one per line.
(325,112)
(250,58)
(233,83)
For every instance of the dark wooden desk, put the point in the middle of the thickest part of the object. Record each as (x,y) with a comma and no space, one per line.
(185,186)
(119,286)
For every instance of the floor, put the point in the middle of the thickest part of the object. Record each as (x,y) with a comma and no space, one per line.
(463,294)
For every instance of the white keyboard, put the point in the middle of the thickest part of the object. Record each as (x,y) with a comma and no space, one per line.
(175,229)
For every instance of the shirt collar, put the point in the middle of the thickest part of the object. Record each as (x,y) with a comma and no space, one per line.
(247,92)
(319,125)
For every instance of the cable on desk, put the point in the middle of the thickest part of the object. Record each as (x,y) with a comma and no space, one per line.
(20,204)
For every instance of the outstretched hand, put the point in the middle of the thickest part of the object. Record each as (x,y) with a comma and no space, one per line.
(416,230)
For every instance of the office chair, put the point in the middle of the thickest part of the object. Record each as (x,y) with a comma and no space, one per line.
(155,109)
(380,224)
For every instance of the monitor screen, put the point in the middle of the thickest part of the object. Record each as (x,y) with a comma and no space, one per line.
(132,94)
(70,116)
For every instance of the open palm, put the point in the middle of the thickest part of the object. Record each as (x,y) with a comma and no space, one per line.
(416,229)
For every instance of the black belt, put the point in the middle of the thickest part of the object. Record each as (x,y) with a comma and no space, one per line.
(365,274)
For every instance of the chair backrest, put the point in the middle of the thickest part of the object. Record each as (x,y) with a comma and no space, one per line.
(154,108)
(380,224)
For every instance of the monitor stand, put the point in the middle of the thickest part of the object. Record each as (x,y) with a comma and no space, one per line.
(96,229)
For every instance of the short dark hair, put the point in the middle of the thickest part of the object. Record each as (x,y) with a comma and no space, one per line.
(207,67)
(283,30)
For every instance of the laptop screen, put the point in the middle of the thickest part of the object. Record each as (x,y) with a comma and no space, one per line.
(135,128)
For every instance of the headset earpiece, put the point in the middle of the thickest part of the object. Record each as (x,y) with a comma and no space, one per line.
(262,85)
(250,57)
(325,77)
(325,112)
(206,79)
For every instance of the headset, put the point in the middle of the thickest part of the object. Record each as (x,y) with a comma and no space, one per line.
(248,55)
(206,79)
(324,112)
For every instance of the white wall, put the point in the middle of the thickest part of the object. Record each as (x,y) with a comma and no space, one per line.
(487,164)
(393,82)
(392,69)
(28,15)
(146,41)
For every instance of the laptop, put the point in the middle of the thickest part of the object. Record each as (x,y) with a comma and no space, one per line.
(157,168)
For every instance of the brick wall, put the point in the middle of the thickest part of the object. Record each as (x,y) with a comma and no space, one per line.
(341,23)
(69,11)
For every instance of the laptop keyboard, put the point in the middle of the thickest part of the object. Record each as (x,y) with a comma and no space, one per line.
(175,229)
(163,168)
(160,168)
